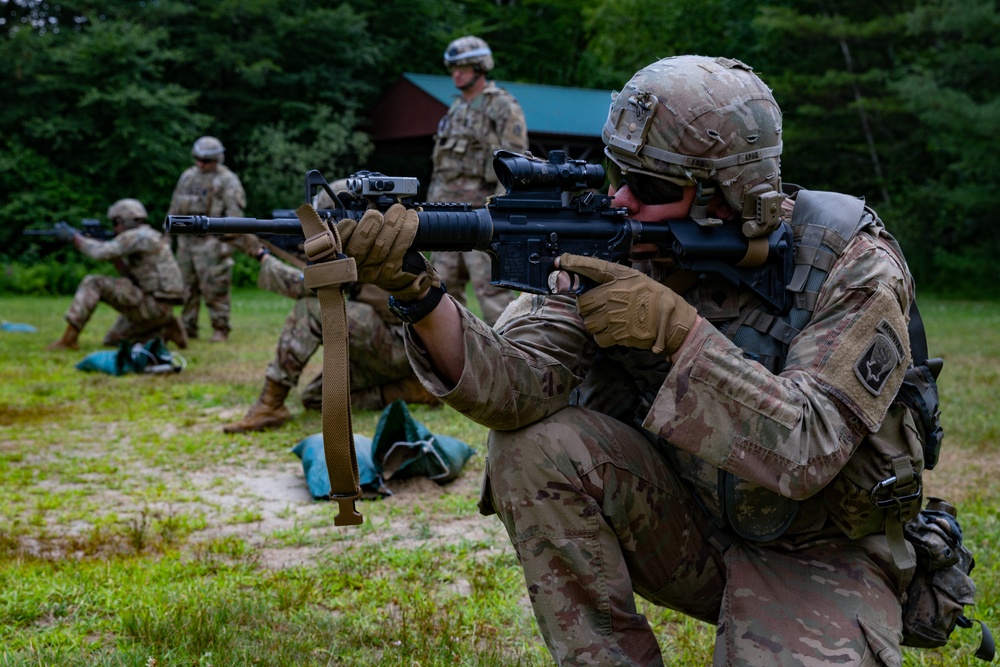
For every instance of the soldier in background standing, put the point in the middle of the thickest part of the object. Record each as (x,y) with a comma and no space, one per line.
(484,118)
(207,188)
(147,291)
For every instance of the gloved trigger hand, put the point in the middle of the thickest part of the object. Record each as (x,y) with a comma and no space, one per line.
(629,308)
(379,245)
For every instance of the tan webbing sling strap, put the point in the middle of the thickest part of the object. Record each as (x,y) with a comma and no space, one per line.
(327,275)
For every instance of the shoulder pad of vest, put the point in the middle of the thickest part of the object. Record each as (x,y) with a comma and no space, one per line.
(843,214)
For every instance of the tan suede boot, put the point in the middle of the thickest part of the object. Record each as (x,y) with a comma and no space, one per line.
(173,332)
(70,340)
(268,412)
(410,390)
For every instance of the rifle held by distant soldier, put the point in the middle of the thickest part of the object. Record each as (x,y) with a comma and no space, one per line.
(62,230)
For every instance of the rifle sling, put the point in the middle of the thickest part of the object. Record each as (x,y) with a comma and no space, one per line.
(327,276)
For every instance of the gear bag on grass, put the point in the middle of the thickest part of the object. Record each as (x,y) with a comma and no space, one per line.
(401,447)
(151,357)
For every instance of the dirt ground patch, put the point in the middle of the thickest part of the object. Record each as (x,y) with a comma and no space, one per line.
(258,497)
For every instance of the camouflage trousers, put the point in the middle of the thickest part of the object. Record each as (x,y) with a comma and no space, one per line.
(457,269)
(207,267)
(378,355)
(597,514)
(142,316)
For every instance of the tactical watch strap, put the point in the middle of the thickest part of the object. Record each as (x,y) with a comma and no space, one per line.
(414,311)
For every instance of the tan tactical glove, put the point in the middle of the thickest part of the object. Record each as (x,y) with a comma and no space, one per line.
(629,308)
(380,245)
(248,243)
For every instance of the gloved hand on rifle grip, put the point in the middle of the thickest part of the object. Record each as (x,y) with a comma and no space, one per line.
(380,243)
(65,231)
(629,308)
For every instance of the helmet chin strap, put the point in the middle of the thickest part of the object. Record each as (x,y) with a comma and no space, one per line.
(472,82)
(704,192)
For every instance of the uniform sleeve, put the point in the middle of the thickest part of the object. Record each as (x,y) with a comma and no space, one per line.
(234,196)
(280,278)
(512,129)
(793,432)
(176,208)
(522,371)
(127,243)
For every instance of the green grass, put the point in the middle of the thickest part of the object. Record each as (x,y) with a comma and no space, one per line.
(134,532)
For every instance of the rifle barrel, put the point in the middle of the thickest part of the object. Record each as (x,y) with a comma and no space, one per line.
(439,230)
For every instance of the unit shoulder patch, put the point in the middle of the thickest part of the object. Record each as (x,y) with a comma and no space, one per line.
(884,353)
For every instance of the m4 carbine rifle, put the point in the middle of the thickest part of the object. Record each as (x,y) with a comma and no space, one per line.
(550,208)
(90,227)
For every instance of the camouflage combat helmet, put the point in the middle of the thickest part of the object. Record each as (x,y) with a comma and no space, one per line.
(711,122)
(128,212)
(469,50)
(208,148)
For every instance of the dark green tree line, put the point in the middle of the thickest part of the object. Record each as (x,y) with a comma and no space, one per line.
(895,101)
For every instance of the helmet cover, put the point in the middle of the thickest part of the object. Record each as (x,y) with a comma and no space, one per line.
(129,212)
(692,119)
(208,148)
(469,50)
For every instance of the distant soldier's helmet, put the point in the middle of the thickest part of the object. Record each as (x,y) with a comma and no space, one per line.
(695,120)
(322,200)
(469,50)
(128,212)
(208,148)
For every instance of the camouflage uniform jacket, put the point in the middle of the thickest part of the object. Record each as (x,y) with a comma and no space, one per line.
(145,259)
(468,135)
(216,193)
(756,445)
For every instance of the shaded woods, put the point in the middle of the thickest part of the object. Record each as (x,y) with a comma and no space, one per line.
(897,102)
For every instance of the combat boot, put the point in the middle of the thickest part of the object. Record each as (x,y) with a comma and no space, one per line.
(410,390)
(220,336)
(174,333)
(70,340)
(268,412)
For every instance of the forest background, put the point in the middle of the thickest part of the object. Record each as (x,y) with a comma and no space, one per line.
(894,101)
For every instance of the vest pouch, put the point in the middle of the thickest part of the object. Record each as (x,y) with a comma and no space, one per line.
(447,163)
(874,468)
(756,513)
(475,160)
(489,174)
